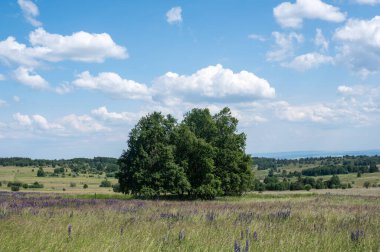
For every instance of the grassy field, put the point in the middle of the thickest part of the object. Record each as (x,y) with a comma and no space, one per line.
(59,184)
(51,219)
(261,222)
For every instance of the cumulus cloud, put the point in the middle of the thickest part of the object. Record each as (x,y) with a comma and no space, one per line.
(29,78)
(2,77)
(16,98)
(112,84)
(35,120)
(284,47)
(212,82)
(23,120)
(80,46)
(104,114)
(44,124)
(345,89)
(174,15)
(82,123)
(308,61)
(360,45)
(320,40)
(30,11)
(13,52)
(292,14)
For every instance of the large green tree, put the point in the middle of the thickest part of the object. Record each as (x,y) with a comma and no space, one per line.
(148,166)
(203,156)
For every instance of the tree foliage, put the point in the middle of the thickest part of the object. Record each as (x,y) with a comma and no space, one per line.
(201,157)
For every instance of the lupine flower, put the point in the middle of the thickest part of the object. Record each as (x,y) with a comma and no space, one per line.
(246,248)
(357,235)
(255,236)
(236,247)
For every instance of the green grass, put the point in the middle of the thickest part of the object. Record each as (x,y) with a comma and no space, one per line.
(54,184)
(320,220)
(316,223)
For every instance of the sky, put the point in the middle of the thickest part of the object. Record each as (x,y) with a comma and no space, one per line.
(76,76)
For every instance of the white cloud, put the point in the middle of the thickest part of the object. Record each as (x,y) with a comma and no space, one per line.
(23,120)
(104,114)
(29,78)
(44,124)
(112,84)
(63,88)
(36,120)
(309,61)
(30,11)
(80,46)
(212,82)
(2,77)
(291,15)
(360,45)
(345,89)
(16,98)
(370,2)
(13,52)
(285,44)
(174,15)
(83,123)
(320,40)
(257,37)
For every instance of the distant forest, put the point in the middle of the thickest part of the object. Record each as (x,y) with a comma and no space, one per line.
(77,165)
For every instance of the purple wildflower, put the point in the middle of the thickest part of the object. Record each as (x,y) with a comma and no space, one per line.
(236,247)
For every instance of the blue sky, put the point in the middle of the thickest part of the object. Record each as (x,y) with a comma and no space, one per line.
(75,76)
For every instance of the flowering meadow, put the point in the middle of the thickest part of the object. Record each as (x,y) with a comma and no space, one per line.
(286,222)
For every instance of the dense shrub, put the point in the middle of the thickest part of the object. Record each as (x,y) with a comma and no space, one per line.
(15,188)
(41,172)
(105,183)
(85,186)
(116,187)
(36,185)
(73,184)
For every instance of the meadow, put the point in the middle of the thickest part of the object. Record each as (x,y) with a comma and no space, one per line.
(255,222)
(97,219)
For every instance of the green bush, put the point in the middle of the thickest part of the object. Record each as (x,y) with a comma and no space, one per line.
(366,184)
(25,186)
(307,187)
(15,188)
(36,185)
(116,187)
(85,186)
(14,183)
(105,183)
(41,172)
(73,184)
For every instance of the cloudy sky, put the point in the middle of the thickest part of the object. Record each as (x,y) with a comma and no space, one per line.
(75,76)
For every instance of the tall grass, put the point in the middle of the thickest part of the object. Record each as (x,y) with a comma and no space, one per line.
(39,222)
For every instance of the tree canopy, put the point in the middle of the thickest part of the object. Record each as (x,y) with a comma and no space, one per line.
(202,157)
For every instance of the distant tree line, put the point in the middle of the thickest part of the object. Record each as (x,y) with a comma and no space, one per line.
(77,165)
(346,161)
(201,157)
(331,170)
(274,183)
